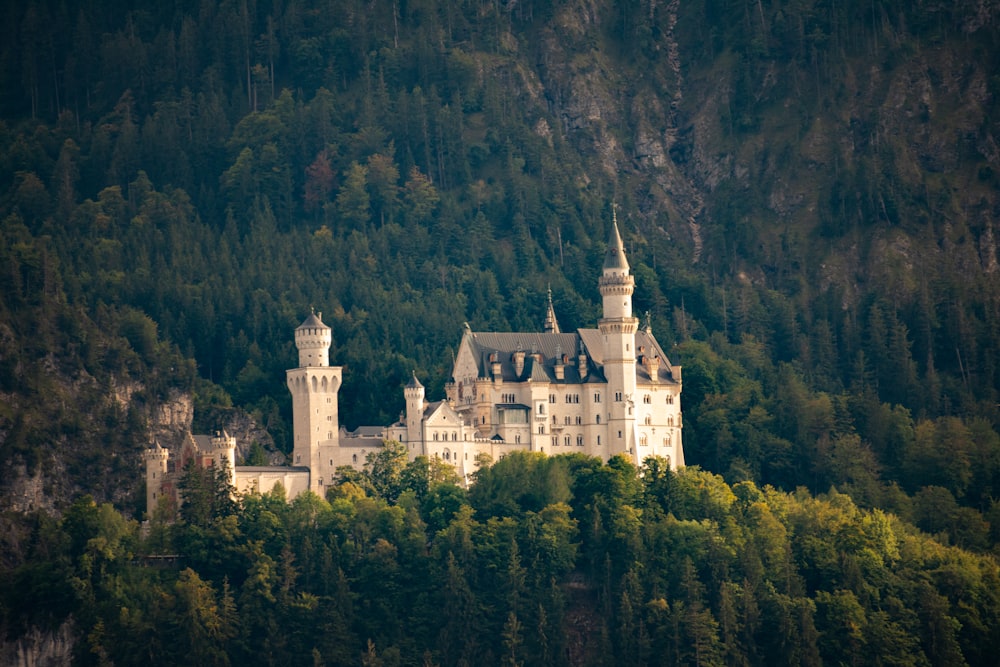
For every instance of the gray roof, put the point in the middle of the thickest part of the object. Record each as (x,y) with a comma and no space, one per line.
(540,351)
(314,321)
(614,257)
(413,382)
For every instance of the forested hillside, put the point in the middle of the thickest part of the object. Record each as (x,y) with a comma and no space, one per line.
(808,193)
(545,561)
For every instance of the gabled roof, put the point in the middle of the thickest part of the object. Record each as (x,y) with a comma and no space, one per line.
(540,353)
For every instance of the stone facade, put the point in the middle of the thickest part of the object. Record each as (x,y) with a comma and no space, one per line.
(602,392)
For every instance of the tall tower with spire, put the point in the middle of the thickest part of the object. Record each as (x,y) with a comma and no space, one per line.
(617,329)
(314,386)
(551,324)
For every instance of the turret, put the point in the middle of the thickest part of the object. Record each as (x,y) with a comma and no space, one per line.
(224,453)
(414,394)
(618,329)
(156,469)
(313,339)
(314,386)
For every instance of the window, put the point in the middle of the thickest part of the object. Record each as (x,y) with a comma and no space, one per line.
(643,440)
(598,440)
(354,458)
(569,398)
(566,441)
(541,430)
(517,439)
(647,398)
(670,399)
(619,435)
(649,420)
(552,398)
(541,408)
(555,441)
(579,420)
(598,419)
(579,441)
(435,437)
(566,420)
(618,396)
(597,398)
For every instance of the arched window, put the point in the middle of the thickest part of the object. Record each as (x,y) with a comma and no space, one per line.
(649,420)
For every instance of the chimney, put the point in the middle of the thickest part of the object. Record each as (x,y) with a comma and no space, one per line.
(653,365)
(582,364)
(519,363)
(560,367)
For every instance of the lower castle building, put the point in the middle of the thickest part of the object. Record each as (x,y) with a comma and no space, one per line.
(602,392)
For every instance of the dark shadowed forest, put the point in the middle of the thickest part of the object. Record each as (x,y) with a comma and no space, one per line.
(808,193)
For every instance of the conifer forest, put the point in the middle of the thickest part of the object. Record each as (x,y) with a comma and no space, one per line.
(809,196)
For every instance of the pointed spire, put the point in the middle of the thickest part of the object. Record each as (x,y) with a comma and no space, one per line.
(414,383)
(551,324)
(614,259)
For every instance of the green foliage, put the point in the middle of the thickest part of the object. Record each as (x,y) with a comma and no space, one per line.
(812,237)
(743,575)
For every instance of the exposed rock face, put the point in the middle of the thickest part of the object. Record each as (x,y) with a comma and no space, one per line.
(41,648)
(171,420)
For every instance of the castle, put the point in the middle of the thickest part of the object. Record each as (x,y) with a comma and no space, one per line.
(602,392)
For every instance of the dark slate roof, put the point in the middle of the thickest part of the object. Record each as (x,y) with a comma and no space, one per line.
(414,383)
(614,256)
(534,345)
(281,469)
(547,346)
(313,322)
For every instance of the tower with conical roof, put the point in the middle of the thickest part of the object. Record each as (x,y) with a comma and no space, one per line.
(414,393)
(617,328)
(314,386)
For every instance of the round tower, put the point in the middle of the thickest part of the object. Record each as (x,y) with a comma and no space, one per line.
(618,329)
(414,394)
(156,470)
(313,339)
(314,386)
(224,453)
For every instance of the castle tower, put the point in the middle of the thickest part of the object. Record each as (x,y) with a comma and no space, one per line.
(314,386)
(414,394)
(618,329)
(156,471)
(224,454)
(551,324)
